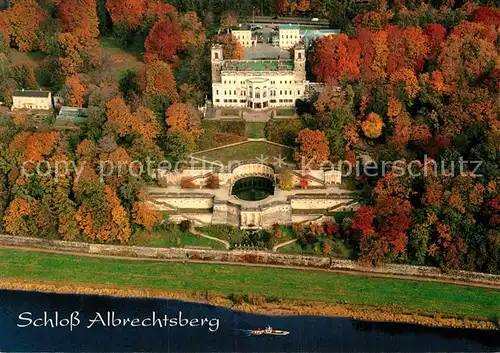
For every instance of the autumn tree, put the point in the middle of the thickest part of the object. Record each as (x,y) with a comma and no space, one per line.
(126,12)
(372,125)
(79,17)
(24,75)
(286,180)
(119,117)
(163,42)
(4,34)
(143,215)
(177,145)
(469,50)
(193,34)
(156,10)
(76,56)
(157,79)
(228,21)
(100,214)
(184,118)
(23,20)
(487,15)
(145,123)
(436,35)
(76,91)
(17,217)
(372,20)
(231,47)
(313,148)
(212,182)
(337,58)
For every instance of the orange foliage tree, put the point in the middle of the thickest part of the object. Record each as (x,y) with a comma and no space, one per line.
(15,218)
(337,57)
(163,42)
(157,10)
(79,17)
(5,34)
(76,91)
(402,132)
(34,146)
(23,20)
(313,148)
(119,116)
(231,47)
(193,33)
(405,78)
(110,224)
(469,49)
(372,126)
(128,12)
(145,123)
(157,78)
(184,118)
(121,121)
(144,216)
(71,60)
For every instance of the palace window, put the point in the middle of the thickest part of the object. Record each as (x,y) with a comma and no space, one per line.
(281,93)
(298,92)
(217,92)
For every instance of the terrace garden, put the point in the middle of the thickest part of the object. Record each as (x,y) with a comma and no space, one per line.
(249,150)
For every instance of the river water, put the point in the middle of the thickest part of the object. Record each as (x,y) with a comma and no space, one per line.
(31,322)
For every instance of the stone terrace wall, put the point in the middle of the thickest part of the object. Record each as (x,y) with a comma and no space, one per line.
(255,257)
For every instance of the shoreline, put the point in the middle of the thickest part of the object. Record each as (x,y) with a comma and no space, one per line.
(286,307)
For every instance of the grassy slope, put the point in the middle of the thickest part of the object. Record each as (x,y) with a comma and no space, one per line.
(255,129)
(173,238)
(247,151)
(225,279)
(117,60)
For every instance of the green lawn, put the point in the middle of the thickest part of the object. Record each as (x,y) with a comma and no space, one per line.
(231,234)
(218,133)
(173,238)
(117,60)
(285,112)
(339,250)
(247,151)
(281,283)
(255,129)
(33,58)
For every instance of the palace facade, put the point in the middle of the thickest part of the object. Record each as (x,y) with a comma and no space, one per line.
(258,84)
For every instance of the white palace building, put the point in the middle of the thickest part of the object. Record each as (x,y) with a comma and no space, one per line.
(259,84)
